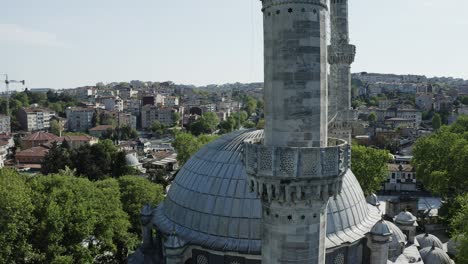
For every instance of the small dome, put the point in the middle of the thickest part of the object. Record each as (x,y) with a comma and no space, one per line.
(381,228)
(428,240)
(434,255)
(453,244)
(131,160)
(373,199)
(397,245)
(405,218)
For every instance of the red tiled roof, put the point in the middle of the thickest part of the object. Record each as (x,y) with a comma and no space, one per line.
(101,128)
(33,152)
(76,138)
(40,136)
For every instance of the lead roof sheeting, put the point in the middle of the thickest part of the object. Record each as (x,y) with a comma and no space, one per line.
(210,204)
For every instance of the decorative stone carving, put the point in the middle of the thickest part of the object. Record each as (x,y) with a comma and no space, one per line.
(309,173)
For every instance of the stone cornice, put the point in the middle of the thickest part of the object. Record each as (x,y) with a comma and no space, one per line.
(272,3)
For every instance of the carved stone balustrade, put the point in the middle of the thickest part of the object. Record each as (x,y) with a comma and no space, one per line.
(290,174)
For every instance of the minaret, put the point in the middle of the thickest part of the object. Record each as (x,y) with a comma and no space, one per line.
(340,56)
(296,168)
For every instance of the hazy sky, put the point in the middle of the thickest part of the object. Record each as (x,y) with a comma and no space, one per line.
(62,44)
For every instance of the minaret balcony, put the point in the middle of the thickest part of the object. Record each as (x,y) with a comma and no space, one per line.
(292,174)
(342,53)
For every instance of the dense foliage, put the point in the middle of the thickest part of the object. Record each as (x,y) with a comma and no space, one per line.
(460,228)
(187,144)
(370,167)
(96,162)
(61,218)
(207,124)
(440,159)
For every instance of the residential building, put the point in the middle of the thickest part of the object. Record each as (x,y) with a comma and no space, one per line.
(415,116)
(424,101)
(112,103)
(31,158)
(35,118)
(133,106)
(37,139)
(6,145)
(77,141)
(5,124)
(127,119)
(401,177)
(79,119)
(171,101)
(151,113)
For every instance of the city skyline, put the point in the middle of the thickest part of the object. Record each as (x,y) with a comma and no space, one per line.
(58,45)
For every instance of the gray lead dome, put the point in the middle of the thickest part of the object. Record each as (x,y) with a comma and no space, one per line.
(209,203)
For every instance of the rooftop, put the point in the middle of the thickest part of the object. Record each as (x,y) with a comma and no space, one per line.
(40,136)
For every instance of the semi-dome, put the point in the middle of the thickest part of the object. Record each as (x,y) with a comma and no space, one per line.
(209,203)
(434,255)
(397,245)
(405,218)
(428,240)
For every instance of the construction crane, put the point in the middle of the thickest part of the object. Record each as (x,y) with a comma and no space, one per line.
(7,84)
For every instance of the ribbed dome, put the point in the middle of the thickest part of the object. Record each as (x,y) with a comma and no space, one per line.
(428,240)
(434,255)
(209,203)
(405,218)
(381,228)
(398,242)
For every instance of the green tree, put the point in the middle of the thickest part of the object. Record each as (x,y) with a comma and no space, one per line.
(249,124)
(261,124)
(372,118)
(250,105)
(185,145)
(460,228)
(55,128)
(370,167)
(436,121)
(176,117)
(440,161)
(135,193)
(127,133)
(58,158)
(77,220)
(16,219)
(157,128)
(119,166)
(207,124)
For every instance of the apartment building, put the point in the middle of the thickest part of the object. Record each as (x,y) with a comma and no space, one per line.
(35,118)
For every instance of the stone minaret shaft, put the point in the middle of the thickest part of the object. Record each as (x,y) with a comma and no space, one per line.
(295,72)
(341,56)
(296,168)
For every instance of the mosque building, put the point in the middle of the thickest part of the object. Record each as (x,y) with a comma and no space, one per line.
(285,194)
